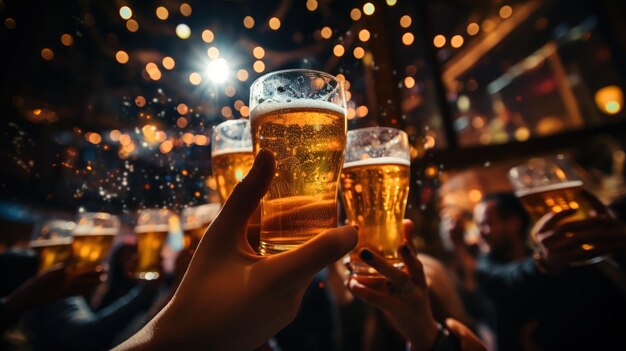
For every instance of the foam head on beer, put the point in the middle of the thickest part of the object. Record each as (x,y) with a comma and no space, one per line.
(299,115)
(52,242)
(231,154)
(374,188)
(196,219)
(93,237)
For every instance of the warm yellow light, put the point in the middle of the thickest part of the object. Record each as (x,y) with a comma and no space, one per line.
(201,140)
(195,78)
(125,139)
(94,138)
(183,31)
(475,195)
(358,52)
(361,111)
(258,66)
(162,13)
(182,109)
(115,135)
(456,41)
(392,2)
(368,59)
(188,138)
(207,36)
(126,12)
(132,25)
(311,5)
(238,105)
(230,91)
(248,22)
(439,41)
(166,146)
(213,53)
(405,21)
(67,40)
(47,54)
(351,113)
(227,112)
(182,122)
(258,52)
(473,28)
(431,171)
(429,142)
(408,38)
(505,12)
(355,14)
(522,134)
(274,23)
(364,35)
(338,50)
(218,71)
(326,32)
(168,63)
(610,99)
(369,8)
(121,57)
(140,101)
(242,75)
(488,25)
(151,67)
(409,82)
(185,9)
(245,111)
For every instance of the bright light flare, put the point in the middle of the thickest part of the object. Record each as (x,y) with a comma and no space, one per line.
(217,71)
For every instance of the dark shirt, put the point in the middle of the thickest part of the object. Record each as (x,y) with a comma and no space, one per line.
(70,324)
(581,309)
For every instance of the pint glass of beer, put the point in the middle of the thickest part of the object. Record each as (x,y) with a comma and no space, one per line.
(231,154)
(153,226)
(374,188)
(196,219)
(299,115)
(53,243)
(549,184)
(92,238)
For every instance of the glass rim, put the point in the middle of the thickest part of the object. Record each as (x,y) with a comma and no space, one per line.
(282,71)
(377,128)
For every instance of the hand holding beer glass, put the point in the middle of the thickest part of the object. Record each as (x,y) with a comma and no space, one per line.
(196,219)
(153,226)
(231,154)
(375,189)
(549,184)
(92,238)
(299,115)
(53,243)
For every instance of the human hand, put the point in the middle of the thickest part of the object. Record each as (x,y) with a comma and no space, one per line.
(403,300)
(469,340)
(562,242)
(230,297)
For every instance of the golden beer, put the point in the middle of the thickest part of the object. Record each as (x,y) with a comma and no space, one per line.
(555,198)
(192,236)
(150,242)
(229,167)
(52,251)
(308,139)
(375,193)
(88,250)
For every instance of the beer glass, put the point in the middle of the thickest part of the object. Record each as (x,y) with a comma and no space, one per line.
(231,154)
(549,184)
(153,226)
(196,220)
(93,236)
(375,188)
(299,115)
(53,242)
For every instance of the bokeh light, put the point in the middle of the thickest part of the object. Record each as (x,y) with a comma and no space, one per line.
(207,36)
(248,22)
(405,21)
(126,12)
(217,71)
(439,41)
(408,38)
(162,13)
(339,50)
(369,8)
(258,52)
(121,56)
(183,31)
(364,35)
(274,23)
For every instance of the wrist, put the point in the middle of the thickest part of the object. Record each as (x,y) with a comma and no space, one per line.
(444,340)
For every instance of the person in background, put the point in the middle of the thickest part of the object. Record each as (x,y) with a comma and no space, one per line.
(541,301)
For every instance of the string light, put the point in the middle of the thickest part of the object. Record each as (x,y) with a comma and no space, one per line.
(274,23)
(326,32)
(207,36)
(405,21)
(408,38)
(473,28)
(364,35)
(339,50)
(162,13)
(355,14)
(258,52)
(439,41)
(121,56)
(248,22)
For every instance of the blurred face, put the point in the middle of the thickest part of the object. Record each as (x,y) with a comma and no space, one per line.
(497,232)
